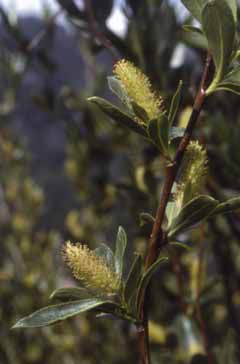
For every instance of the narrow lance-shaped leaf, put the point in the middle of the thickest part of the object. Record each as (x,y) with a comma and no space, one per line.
(140,112)
(191,28)
(234,88)
(195,7)
(159,133)
(117,88)
(194,37)
(219,28)
(172,211)
(52,314)
(106,253)
(133,278)
(147,277)
(233,6)
(146,218)
(175,104)
(70,293)
(181,245)
(195,211)
(117,115)
(227,206)
(231,82)
(121,244)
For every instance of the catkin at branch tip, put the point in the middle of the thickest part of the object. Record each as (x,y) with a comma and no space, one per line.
(91,269)
(193,170)
(138,88)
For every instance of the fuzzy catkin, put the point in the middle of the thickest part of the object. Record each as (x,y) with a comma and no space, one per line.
(90,269)
(138,88)
(193,171)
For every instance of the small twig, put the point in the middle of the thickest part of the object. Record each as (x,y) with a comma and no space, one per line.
(96,33)
(199,314)
(43,32)
(157,237)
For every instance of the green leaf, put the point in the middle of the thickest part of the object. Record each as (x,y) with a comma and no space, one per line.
(195,211)
(227,206)
(172,211)
(190,28)
(194,39)
(231,82)
(116,114)
(229,87)
(139,112)
(121,244)
(233,6)
(147,277)
(178,244)
(105,252)
(195,7)
(146,218)
(115,85)
(175,104)
(70,293)
(219,28)
(159,133)
(176,132)
(52,314)
(133,279)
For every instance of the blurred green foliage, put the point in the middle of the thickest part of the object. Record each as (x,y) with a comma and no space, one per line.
(115,177)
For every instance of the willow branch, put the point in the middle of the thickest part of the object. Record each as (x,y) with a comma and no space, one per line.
(157,238)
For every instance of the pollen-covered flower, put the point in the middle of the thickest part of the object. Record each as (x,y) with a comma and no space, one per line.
(138,88)
(91,269)
(193,172)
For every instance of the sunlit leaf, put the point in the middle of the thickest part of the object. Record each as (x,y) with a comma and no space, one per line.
(117,115)
(70,293)
(106,253)
(175,104)
(195,7)
(227,206)
(121,244)
(52,314)
(195,211)
(219,28)
(147,276)
(159,133)
(133,279)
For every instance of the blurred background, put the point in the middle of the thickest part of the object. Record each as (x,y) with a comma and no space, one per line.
(68,172)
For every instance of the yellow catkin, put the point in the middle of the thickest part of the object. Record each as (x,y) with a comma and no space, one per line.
(193,171)
(90,269)
(138,88)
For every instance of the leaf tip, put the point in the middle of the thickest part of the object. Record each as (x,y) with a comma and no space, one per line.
(17,325)
(91,99)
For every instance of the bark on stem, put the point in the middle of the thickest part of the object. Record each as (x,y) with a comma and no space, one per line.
(157,237)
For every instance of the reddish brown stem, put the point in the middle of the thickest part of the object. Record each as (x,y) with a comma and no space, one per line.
(157,237)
